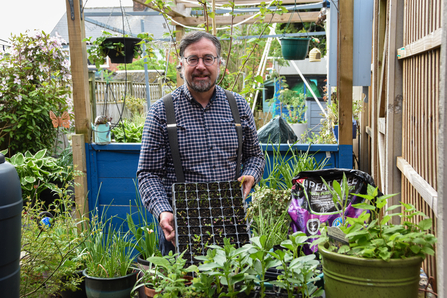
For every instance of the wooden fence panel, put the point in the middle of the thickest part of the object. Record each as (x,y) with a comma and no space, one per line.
(421,75)
(115,91)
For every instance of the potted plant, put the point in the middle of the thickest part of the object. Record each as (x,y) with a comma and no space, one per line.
(295,48)
(109,271)
(296,109)
(120,49)
(166,276)
(369,256)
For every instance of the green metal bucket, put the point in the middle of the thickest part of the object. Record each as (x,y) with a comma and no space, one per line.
(294,48)
(353,277)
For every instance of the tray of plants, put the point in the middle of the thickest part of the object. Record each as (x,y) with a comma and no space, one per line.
(206,213)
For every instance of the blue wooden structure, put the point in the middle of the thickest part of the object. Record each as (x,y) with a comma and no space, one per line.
(112,183)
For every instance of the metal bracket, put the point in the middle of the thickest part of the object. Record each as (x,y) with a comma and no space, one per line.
(72,9)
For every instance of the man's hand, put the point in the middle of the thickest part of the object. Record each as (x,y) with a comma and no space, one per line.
(167,225)
(247,183)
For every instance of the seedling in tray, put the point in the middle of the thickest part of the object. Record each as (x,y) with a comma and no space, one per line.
(206,213)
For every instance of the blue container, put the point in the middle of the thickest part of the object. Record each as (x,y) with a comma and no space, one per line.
(11,205)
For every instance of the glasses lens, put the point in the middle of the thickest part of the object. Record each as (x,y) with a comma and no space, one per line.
(208,60)
(192,60)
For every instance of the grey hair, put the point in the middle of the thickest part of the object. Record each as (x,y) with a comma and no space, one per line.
(194,37)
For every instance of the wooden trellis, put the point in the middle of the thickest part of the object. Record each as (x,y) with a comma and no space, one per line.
(404,110)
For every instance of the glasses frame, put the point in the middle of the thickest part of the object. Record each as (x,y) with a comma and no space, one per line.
(208,55)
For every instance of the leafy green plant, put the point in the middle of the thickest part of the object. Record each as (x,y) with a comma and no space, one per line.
(228,266)
(34,80)
(299,271)
(168,275)
(128,132)
(39,172)
(52,249)
(371,235)
(135,105)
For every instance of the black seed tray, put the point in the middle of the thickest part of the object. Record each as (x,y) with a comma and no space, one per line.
(206,213)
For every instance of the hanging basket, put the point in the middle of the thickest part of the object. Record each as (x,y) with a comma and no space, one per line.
(294,48)
(121,49)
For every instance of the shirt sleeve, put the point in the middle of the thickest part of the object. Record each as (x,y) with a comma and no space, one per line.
(152,166)
(253,160)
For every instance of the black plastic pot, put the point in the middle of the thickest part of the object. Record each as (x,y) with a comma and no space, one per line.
(117,287)
(124,55)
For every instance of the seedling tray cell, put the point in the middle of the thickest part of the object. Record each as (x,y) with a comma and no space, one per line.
(206,213)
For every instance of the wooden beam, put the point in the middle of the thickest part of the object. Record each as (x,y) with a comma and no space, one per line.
(426,43)
(81,103)
(173,12)
(345,70)
(189,3)
(79,163)
(394,100)
(227,20)
(441,214)
(79,71)
(178,37)
(428,193)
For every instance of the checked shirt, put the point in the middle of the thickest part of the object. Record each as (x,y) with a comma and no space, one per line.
(207,141)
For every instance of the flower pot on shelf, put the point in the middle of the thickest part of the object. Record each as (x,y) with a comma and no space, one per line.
(294,48)
(115,287)
(347,276)
(121,49)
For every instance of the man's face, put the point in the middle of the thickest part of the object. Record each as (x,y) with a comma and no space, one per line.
(201,77)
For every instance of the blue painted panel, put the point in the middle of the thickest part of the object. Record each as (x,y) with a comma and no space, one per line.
(111,171)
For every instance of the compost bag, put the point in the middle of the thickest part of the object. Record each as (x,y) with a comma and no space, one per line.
(277,131)
(309,213)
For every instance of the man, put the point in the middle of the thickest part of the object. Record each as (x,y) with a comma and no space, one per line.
(207,137)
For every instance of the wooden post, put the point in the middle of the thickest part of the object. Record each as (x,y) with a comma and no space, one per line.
(92,89)
(78,57)
(178,37)
(345,67)
(79,71)
(79,160)
(394,98)
(442,165)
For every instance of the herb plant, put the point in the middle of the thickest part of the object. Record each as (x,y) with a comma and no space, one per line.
(371,235)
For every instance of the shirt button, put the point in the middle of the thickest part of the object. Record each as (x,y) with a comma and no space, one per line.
(211,147)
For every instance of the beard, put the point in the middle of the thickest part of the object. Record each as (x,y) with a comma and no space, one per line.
(201,86)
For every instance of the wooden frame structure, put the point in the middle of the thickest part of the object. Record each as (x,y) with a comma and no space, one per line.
(405,114)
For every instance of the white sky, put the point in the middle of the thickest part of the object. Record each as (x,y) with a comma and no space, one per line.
(18,16)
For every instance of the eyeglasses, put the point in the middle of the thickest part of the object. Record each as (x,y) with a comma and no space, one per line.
(207,60)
